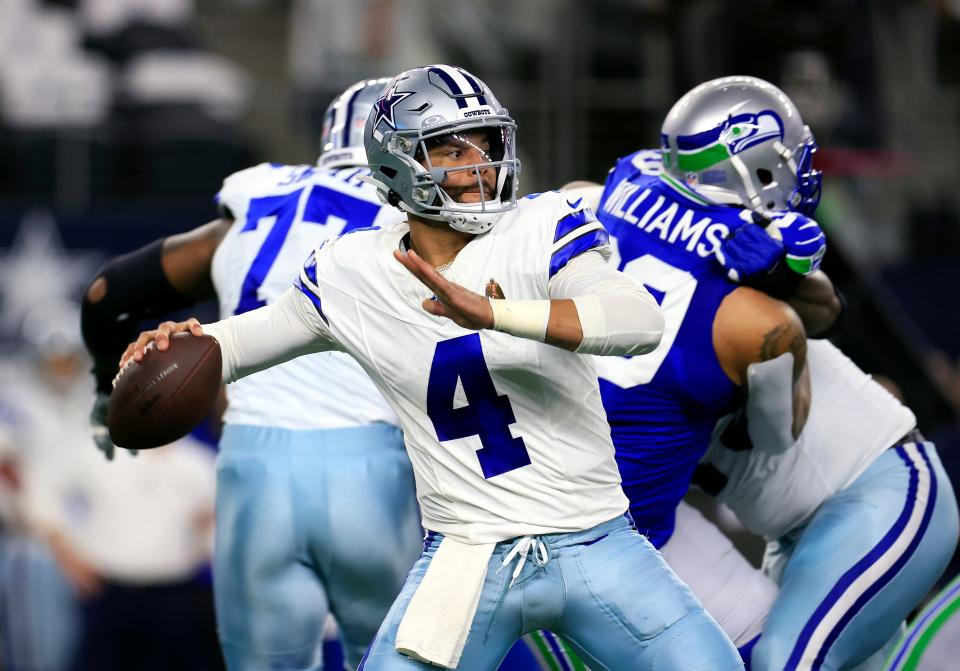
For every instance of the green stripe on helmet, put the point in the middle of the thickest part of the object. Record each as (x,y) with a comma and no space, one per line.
(702,159)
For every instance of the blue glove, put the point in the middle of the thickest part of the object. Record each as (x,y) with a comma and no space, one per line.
(749,252)
(804,243)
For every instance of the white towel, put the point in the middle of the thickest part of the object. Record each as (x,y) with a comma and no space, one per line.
(435,626)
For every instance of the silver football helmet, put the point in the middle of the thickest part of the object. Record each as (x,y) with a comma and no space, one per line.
(417,110)
(740,140)
(341,143)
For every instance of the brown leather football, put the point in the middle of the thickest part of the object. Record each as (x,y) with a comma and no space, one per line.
(166,395)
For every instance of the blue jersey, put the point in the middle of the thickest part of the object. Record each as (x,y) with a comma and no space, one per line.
(662,407)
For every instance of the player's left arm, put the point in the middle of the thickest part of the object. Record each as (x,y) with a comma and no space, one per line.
(760,343)
(592,309)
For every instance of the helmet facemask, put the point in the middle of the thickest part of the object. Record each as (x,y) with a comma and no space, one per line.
(806,195)
(492,182)
(783,180)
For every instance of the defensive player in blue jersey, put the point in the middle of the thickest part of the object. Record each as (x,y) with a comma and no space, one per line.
(737,187)
(668,231)
(315,498)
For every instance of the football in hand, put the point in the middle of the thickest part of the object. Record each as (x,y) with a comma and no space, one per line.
(165,395)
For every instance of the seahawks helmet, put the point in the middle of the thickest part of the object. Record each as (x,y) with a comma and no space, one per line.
(341,143)
(417,110)
(740,140)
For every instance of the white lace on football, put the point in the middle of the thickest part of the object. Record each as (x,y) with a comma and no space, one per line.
(524,546)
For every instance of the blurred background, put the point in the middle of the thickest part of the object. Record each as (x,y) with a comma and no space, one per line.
(119,120)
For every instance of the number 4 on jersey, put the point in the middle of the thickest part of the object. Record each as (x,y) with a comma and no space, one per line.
(486,414)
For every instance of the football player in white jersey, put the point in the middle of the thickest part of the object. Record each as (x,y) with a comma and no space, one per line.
(859,512)
(500,410)
(316,510)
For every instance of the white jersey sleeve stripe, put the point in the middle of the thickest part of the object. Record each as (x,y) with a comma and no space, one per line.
(571,222)
(307,283)
(579,241)
(574,234)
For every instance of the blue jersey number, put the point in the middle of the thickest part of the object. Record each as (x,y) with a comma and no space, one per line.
(337,211)
(486,413)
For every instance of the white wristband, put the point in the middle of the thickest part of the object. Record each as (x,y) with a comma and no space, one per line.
(524,319)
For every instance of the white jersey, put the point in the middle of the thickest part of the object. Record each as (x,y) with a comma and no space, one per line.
(507,436)
(281,212)
(852,420)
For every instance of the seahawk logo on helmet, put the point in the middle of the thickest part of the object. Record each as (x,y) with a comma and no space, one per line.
(418,109)
(740,140)
(341,142)
(747,130)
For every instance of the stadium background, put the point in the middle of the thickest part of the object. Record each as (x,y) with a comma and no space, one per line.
(120,118)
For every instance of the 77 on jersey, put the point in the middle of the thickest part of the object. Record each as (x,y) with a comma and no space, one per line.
(486,414)
(338,212)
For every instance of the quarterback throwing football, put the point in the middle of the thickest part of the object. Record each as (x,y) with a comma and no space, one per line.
(472,318)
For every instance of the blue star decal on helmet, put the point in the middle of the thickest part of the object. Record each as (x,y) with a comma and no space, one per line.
(386,105)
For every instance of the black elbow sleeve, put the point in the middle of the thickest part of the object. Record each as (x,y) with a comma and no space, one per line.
(136,289)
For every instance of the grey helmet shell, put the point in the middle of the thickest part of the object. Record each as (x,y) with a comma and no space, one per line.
(341,142)
(432,102)
(740,140)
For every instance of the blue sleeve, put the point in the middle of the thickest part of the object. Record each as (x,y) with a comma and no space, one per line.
(576,233)
(308,285)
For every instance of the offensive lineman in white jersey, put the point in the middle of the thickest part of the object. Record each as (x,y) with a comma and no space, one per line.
(316,510)
(509,444)
(860,516)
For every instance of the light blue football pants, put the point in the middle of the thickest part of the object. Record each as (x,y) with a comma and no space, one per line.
(606,590)
(851,575)
(309,523)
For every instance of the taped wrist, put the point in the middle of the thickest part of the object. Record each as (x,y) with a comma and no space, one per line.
(524,319)
(137,289)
